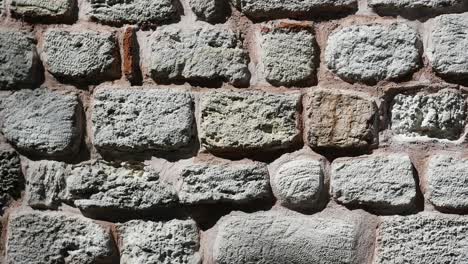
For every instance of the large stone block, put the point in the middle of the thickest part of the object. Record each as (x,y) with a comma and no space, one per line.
(172,242)
(340,119)
(289,53)
(447,46)
(48,11)
(419,7)
(19,67)
(447,180)
(272,237)
(268,9)
(84,57)
(382,183)
(210,10)
(200,54)
(246,121)
(43,122)
(137,120)
(10,174)
(423,238)
(374,52)
(119,12)
(52,237)
(438,115)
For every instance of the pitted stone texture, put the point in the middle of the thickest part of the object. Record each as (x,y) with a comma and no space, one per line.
(52,237)
(198,54)
(448,44)
(271,237)
(268,9)
(423,238)
(210,10)
(340,119)
(438,115)
(45,183)
(419,7)
(447,179)
(119,12)
(48,11)
(19,67)
(43,122)
(246,121)
(84,57)
(135,120)
(288,53)
(172,242)
(10,174)
(381,183)
(101,186)
(232,182)
(375,52)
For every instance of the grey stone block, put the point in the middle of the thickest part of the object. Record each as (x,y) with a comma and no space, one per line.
(20,62)
(289,53)
(374,52)
(382,183)
(53,237)
(423,238)
(119,12)
(200,54)
(48,11)
(83,57)
(438,115)
(210,10)
(10,174)
(246,121)
(43,122)
(416,8)
(137,120)
(172,242)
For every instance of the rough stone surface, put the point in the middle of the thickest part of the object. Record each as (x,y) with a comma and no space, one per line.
(118,12)
(438,115)
(447,46)
(10,174)
(447,179)
(43,238)
(172,242)
(375,52)
(423,238)
(43,122)
(270,237)
(199,54)
(46,11)
(393,7)
(84,57)
(381,183)
(248,120)
(133,120)
(19,62)
(267,9)
(210,10)
(289,53)
(340,119)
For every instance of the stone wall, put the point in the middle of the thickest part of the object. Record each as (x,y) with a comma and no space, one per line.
(242,131)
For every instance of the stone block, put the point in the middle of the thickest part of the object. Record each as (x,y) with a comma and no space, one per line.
(212,11)
(416,8)
(10,174)
(49,11)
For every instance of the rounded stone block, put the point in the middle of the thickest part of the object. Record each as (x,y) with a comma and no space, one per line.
(212,11)
(416,8)
(49,11)
(10,174)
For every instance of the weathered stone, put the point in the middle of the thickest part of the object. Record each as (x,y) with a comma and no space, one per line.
(447,179)
(200,54)
(271,237)
(289,53)
(246,121)
(134,120)
(418,7)
(423,238)
(48,11)
(340,119)
(210,10)
(43,122)
(381,183)
(52,237)
(84,57)
(438,115)
(268,9)
(172,242)
(119,12)
(375,52)
(19,62)
(45,183)
(447,46)
(10,174)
